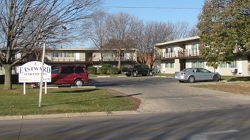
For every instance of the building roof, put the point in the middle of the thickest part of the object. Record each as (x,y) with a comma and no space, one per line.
(177,41)
(84,49)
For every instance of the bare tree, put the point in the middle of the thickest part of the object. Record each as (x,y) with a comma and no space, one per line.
(97,32)
(181,30)
(121,31)
(152,33)
(25,24)
(194,32)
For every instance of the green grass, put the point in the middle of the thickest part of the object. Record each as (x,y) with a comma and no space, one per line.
(63,100)
(235,78)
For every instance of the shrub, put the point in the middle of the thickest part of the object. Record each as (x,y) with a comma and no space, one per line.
(92,70)
(103,70)
(113,70)
(106,66)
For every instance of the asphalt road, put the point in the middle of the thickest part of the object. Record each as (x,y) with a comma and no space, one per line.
(233,124)
(169,111)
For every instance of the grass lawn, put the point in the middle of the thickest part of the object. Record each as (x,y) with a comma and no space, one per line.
(63,100)
(238,87)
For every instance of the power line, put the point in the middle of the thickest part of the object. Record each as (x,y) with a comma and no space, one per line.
(142,7)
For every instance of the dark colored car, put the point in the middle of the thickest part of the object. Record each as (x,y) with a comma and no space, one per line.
(192,75)
(72,75)
(138,70)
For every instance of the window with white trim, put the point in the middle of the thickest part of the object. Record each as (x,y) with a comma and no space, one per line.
(223,64)
(197,64)
(68,54)
(232,64)
(169,65)
(57,54)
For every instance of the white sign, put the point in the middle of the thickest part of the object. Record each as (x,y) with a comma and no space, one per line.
(31,72)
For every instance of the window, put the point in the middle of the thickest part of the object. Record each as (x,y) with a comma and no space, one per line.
(57,54)
(197,64)
(54,69)
(194,50)
(68,54)
(194,47)
(204,70)
(169,65)
(68,69)
(108,55)
(223,65)
(232,64)
(79,70)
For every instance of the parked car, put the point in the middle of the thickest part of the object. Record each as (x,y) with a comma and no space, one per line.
(72,75)
(138,70)
(192,75)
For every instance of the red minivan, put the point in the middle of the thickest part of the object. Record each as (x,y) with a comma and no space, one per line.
(73,75)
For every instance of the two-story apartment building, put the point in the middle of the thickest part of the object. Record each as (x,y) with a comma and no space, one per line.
(82,56)
(185,53)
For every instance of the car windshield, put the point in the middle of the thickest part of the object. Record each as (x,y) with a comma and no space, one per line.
(187,70)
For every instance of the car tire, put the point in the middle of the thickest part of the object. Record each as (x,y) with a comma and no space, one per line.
(216,78)
(38,84)
(134,74)
(150,73)
(191,79)
(78,82)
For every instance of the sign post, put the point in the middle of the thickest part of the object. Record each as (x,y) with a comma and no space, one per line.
(41,79)
(34,72)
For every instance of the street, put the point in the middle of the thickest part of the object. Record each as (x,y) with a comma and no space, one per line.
(169,111)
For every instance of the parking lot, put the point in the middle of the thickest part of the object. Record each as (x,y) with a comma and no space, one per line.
(160,94)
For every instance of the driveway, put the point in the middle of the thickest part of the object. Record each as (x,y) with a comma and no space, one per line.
(159,94)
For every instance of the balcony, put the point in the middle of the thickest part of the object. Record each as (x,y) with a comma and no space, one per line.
(90,59)
(182,53)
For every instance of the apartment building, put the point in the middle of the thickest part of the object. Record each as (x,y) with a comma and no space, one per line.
(185,53)
(82,56)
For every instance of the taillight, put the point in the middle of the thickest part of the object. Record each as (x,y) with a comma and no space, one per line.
(183,73)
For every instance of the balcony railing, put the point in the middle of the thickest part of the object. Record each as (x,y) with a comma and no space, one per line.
(72,59)
(183,53)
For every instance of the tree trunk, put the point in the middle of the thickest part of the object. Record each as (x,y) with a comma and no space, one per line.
(119,59)
(7,77)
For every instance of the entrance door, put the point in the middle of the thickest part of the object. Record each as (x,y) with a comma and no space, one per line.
(182,64)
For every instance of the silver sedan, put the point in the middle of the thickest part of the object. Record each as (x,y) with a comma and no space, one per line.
(192,75)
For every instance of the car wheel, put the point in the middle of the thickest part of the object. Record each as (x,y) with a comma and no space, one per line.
(215,78)
(191,79)
(134,74)
(38,84)
(150,73)
(78,82)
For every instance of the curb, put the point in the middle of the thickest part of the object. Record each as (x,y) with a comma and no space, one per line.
(102,76)
(67,115)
